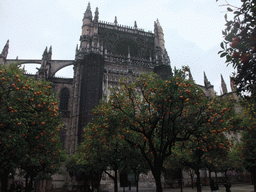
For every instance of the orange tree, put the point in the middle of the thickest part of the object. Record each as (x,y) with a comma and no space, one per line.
(206,152)
(105,148)
(152,115)
(239,45)
(29,124)
(209,147)
(80,168)
(247,145)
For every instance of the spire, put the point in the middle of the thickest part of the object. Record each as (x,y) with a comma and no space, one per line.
(155,27)
(115,20)
(174,70)
(50,50)
(190,75)
(158,27)
(88,12)
(159,37)
(96,15)
(50,53)
(223,85)
(221,92)
(135,25)
(5,50)
(206,82)
(45,52)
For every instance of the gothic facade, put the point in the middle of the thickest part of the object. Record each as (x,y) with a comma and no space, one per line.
(107,52)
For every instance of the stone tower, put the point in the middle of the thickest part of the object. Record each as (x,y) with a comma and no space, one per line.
(108,51)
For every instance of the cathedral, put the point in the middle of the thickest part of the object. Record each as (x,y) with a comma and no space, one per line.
(107,51)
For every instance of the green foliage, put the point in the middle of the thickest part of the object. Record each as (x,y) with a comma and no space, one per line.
(104,148)
(248,141)
(150,116)
(29,123)
(208,147)
(239,45)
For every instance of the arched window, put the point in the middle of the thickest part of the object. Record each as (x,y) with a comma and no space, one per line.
(64,97)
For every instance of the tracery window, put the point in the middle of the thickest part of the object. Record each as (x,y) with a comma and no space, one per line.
(64,97)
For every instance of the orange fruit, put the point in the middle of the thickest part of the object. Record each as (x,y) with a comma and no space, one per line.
(235,54)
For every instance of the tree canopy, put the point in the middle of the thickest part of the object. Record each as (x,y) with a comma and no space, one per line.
(154,115)
(29,124)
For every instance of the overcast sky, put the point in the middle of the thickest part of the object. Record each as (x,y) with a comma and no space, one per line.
(192,29)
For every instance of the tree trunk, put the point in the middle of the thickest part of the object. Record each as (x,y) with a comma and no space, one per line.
(157,177)
(137,176)
(181,187)
(253,174)
(210,176)
(198,182)
(4,181)
(96,180)
(30,184)
(115,181)
(192,181)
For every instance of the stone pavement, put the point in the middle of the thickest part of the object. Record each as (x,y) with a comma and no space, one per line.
(234,188)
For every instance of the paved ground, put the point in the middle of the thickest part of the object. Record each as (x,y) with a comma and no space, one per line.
(234,188)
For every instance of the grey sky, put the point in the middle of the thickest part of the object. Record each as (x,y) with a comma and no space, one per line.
(192,29)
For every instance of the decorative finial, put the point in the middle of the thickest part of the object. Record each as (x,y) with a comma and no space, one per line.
(5,50)
(223,85)
(88,13)
(190,75)
(88,6)
(45,51)
(135,25)
(96,15)
(115,20)
(50,53)
(50,50)
(206,82)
